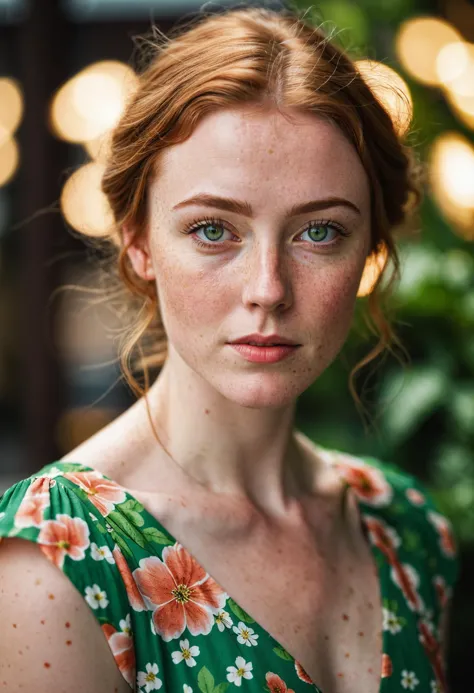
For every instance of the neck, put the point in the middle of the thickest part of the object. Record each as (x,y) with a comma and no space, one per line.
(228,448)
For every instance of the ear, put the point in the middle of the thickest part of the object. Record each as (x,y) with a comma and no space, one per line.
(139,252)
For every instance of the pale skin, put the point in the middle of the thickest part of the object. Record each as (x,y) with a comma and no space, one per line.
(267,276)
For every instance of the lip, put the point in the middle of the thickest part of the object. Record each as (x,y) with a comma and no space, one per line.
(264,339)
(265,354)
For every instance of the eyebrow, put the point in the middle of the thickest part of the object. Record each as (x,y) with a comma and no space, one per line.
(244,208)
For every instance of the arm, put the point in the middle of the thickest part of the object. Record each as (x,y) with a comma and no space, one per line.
(38,650)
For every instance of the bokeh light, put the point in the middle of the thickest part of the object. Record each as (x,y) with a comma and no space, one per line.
(9,157)
(451,172)
(11,105)
(83,203)
(418,43)
(91,102)
(391,90)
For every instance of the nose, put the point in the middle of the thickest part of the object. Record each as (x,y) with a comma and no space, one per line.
(266,280)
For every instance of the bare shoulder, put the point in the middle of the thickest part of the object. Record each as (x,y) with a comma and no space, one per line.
(52,640)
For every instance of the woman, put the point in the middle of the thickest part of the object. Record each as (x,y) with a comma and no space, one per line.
(251,176)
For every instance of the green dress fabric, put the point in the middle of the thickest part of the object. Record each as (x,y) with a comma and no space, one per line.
(171,627)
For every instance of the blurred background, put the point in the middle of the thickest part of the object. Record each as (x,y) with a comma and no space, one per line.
(66,68)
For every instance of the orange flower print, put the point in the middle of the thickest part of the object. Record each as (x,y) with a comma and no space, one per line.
(103,493)
(302,673)
(123,650)
(414,496)
(446,536)
(63,536)
(30,512)
(276,684)
(134,597)
(180,593)
(368,482)
(387,667)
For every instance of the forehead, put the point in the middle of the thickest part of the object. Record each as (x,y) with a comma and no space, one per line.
(263,155)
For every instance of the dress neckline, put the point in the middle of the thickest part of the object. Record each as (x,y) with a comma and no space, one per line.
(378,558)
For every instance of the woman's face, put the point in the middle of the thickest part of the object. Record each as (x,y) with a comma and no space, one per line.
(261,268)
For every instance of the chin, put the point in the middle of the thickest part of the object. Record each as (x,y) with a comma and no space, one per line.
(259,391)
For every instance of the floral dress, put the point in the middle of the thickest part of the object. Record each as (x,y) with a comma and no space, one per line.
(171,626)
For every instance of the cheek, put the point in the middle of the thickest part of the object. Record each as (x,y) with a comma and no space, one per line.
(189,299)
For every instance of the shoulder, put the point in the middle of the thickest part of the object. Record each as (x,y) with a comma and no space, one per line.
(400,501)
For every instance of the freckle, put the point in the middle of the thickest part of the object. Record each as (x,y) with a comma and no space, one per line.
(206,411)
(50,596)
(20,652)
(16,594)
(47,665)
(351,590)
(67,624)
(38,581)
(361,633)
(345,617)
(370,670)
(68,642)
(326,637)
(341,675)
(14,625)
(370,605)
(347,654)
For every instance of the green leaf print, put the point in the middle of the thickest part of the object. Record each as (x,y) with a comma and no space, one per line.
(239,612)
(221,687)
(100,527)
(152,534)
(121,543)
(206,681)
(132,509)
(283,654)
(116,518)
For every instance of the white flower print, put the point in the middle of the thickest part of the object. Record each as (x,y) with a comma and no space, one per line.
(223,620)
(149,678)
(187,689)
(98,553)
(152,625)
(435,687)
(96,597)
(187,653)
(126,625)
(241,670)
(391,622)
(409,679)
(2,515)
(247,636)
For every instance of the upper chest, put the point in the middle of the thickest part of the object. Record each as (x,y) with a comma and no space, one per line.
(312,587)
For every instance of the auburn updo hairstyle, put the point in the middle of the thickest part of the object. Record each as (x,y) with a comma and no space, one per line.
(245,56)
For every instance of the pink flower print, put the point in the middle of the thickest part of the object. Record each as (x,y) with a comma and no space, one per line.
(405,576)
(446,536)
(30,512)
(123,650)
(368,482)
(276,684)
(387,667)
(63,536)
(180,593)
(414,496)
(134,597)
(103,493)
(302,673)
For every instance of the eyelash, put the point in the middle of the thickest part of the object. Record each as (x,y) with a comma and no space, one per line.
(197,224)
